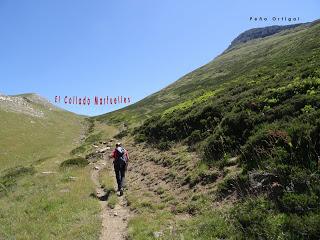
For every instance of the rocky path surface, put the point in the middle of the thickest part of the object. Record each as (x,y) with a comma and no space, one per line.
(114,221)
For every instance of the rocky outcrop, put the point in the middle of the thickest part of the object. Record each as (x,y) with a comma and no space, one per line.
(256,33)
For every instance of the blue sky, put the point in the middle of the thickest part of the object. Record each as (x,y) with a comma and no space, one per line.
(129,47)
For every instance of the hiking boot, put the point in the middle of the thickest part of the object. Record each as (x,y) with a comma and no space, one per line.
(121,192)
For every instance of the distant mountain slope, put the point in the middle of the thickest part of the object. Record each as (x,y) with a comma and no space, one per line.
(26,104)
(32,128)
(244,58)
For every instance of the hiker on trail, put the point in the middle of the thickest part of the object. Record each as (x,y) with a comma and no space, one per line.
(120,164)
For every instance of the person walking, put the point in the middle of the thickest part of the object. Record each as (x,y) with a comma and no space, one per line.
(120,163)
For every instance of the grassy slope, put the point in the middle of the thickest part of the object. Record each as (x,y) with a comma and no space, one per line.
(263,107)
(51,135)
(34,205)
(222,70)
(269,117)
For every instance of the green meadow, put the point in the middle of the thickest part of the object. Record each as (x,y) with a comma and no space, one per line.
(38,198)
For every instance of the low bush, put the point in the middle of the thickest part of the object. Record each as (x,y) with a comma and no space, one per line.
(93,138)
(74,162)
(77,150)
(163,145)
(239,183)
(138,138)
(267,144)
(90,122)
(255,218)
(214,148)
(194,137)
(299,203)
(122,134)
(302,227)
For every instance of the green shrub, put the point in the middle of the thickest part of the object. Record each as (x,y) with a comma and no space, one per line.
(122,134)
(77,150)
(239,183)
(90,125)
(160,190)
(302,227)
(256,219)
(214,148)
(238,126)
(138,138)
(299,203)
(208,176)
(93,138)
(163,145)
(194,137)
(305,140)
(267,144)
(298,179)
(74,162)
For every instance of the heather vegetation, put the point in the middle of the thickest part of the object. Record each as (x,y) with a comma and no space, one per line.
(265,112)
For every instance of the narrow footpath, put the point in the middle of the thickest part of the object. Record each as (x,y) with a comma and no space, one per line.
(114,221)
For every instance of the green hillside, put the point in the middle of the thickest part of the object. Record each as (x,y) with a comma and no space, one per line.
(230,66)
(256,108)
(49,132)
(38,199)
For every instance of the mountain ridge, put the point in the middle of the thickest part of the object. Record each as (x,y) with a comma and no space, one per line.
(255,33)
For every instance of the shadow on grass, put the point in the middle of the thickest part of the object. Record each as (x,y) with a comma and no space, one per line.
(105,196)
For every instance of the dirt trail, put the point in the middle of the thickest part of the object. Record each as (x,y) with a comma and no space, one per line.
(114,221)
